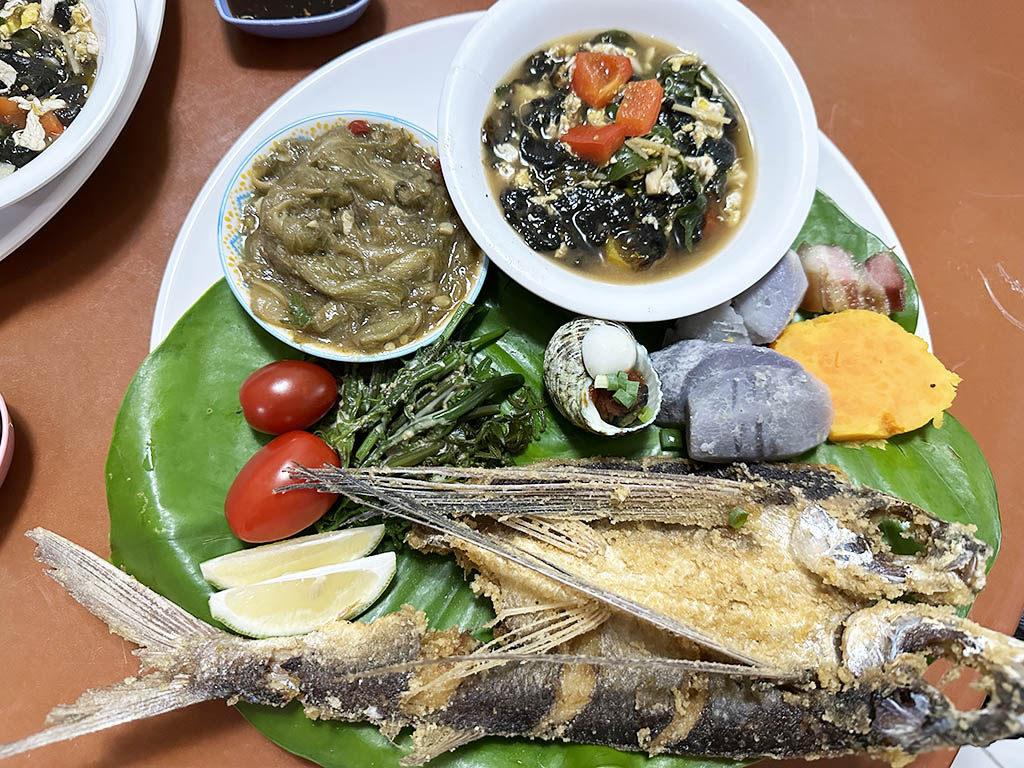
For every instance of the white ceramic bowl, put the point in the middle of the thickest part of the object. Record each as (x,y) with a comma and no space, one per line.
(738,48)
(230,238)
(116,26)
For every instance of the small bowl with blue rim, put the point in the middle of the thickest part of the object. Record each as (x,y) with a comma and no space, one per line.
(304,25)
(231,234)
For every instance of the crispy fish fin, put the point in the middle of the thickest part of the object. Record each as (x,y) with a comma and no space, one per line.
(133,699)
(137,614)
(391,502)
(430,741)
(132,610)
(570,536)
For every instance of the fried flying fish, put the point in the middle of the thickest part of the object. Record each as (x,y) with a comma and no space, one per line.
(383,672)
(607,576)
(661,535)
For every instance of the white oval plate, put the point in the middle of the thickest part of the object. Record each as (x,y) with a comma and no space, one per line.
(375,78)
(20,220)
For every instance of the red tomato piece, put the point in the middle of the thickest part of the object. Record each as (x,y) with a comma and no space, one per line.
(359,127)
(641,103)
(597,77)
(287,395)
(595,143)
(52,125)
(11,114)
(255,513)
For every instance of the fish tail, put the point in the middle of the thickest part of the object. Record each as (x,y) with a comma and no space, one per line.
(133,699)
(136,613)
(130,609)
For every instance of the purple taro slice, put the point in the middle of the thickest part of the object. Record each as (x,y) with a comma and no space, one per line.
(720,323)
(760,413)
(691,360)
(673,364)
(767,307)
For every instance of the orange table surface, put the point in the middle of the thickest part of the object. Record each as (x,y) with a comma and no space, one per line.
(925,98)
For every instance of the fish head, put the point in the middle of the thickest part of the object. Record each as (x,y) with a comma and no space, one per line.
(888,646)
(852,554)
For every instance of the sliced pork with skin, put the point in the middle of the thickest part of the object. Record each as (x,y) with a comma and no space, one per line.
(885,270)
(837,281)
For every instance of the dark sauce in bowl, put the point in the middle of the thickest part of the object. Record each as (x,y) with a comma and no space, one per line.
(284,9)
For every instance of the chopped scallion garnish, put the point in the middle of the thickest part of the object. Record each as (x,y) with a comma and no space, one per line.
(738,517)
(601,381)
(625,398)
(645,414)
(671,440)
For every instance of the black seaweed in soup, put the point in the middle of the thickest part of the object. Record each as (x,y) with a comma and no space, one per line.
(352,240)
(48,56)
(670,194)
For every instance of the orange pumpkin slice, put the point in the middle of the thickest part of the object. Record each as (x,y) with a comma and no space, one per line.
(883,380)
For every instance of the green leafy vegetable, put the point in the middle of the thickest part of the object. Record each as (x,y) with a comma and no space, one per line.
(298,315)
(626,162)
(446,405)
(691,216)
(616,37)
(680,85)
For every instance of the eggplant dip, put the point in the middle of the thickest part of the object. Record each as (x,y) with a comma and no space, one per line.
(353,242)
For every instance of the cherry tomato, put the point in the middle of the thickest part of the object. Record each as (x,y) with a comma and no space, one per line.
(11,114)
(287,395)
(51,125)
(594,143)
(641,103)
(359,127)
(597,77)
(255,513)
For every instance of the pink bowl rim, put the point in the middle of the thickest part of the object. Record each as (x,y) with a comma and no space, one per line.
(6,440)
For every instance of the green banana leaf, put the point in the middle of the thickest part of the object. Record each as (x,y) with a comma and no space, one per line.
(180,438)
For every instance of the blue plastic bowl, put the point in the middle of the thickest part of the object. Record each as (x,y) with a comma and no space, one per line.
(302,26)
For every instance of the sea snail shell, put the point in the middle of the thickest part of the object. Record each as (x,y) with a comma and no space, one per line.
(568,383)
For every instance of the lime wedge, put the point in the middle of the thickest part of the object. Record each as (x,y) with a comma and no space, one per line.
(256,564)
(300,602)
